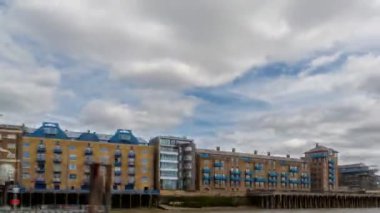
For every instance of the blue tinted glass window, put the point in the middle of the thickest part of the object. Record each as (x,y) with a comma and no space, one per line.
(26,155)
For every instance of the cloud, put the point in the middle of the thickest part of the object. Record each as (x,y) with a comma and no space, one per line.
(157,112)
(131,64)
(337,108)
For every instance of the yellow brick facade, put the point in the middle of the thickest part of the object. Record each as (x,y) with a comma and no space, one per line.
(73,162)
(225,168)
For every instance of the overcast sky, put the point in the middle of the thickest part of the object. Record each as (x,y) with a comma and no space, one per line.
(273,76)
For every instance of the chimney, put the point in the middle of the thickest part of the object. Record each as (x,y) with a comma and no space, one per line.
(255,152)
(287,156)
(233,149)
(218,148)
(268,153)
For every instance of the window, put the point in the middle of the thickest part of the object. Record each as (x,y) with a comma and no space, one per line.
(72,147)
(11,136)
(25,175)
(26,144)
(73,156)
(26,155)
(104,149)
(144,161)
(104,159)
(144,179)
(72,176)
(25,164)
(1,136)
(11,146)
(72,167)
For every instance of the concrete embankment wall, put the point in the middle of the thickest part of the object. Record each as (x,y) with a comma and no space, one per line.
(204,201)
(275,201)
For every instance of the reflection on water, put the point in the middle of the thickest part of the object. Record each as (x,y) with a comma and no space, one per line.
(250,210)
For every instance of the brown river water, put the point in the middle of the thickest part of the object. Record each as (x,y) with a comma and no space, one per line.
(249,210)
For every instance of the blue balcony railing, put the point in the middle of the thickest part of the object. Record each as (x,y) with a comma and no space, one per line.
(206,170)
(272,174)
(218,164)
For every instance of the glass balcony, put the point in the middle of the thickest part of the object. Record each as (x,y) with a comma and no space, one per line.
(188,158)
(131,154)
(88,161)
(131,163)
(188,149)
(41,158)
(206,170)
(117,173)
(57,170)
(40,169)
(87,170)
(41,148)
(117,180)
(218,164)
(57,150)
(88,151)
(57,159)
(117,153)
(131,171)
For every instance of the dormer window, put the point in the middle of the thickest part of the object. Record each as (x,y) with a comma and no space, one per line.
(50,129)
(125,137)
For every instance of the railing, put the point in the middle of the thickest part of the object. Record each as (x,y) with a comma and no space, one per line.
(57,150)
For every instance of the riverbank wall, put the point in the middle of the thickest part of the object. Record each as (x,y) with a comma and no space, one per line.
(273,200)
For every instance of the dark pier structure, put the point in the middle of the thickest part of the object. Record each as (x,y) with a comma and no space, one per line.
(119,199)
(313,200)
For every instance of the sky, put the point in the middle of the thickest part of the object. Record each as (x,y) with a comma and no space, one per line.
(274,76)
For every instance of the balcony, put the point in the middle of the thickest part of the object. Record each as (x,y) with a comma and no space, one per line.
(40,169)
(117,154)
(117,180)
(235,172)
(57,150)
(87,170)
(117,164)
(131,171)
(117,173)
(188,149)
(272,174)
(218,164)
(235,178)
(131,163)
(56,180)
(293,169)
(88,151)
(41,159)
(57,170)
(188,158)
(206,170)
(41,149)
(259,167)
(88,161)
(57,159)
(131,154)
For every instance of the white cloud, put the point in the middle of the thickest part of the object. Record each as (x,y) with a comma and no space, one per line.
(156,112)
